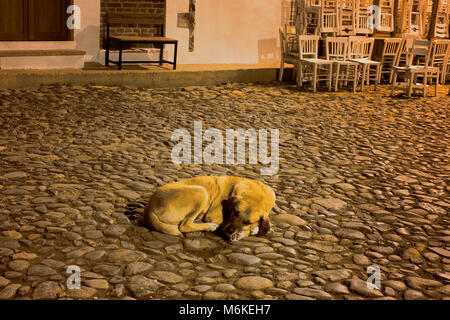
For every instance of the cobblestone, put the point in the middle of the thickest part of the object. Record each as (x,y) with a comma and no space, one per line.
(363,180)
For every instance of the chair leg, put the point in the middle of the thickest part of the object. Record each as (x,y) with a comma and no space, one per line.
(410,77)
(347,68)
(425,84)
(337,77)
(442,74)
(120,56)
(437,85)
(315,78)
(368,76)
(377,76)
(363,79)
(330,77)
(300,74)
(394,82)
(280,74)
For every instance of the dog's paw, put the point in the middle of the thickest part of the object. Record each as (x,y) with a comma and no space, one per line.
(254,231)
(211,227)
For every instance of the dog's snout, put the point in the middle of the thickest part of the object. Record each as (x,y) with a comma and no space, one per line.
(230,229)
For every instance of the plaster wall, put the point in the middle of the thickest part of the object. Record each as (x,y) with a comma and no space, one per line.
(227,31)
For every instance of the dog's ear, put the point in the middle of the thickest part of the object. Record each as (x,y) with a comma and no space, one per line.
(264,227)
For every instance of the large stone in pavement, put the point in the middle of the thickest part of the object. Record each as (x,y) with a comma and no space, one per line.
(332,204)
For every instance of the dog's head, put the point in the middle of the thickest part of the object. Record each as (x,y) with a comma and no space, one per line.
(248,210)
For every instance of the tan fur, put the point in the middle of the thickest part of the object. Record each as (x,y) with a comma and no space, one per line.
(196,204)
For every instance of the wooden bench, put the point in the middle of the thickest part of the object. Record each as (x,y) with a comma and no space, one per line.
(136,18)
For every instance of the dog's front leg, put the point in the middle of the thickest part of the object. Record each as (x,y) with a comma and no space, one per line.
(214,215)
(189,225)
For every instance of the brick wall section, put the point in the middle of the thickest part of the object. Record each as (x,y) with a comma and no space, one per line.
(156,7)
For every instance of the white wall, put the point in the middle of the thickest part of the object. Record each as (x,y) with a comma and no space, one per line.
(227,31)
(86,38)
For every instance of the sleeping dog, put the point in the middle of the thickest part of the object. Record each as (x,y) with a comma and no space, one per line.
(240,206)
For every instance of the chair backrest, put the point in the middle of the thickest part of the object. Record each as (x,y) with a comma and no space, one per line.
(313,20)
(405,48)
(407,42)
(421,49)
(330,4)
(313,3)
(440,51)
(353,45)
(329,21)
(289,29)
(282,41)
(420,45)
(360,48)
(336,48)
(287,39)
(391,47)
(308,46)
(367,48)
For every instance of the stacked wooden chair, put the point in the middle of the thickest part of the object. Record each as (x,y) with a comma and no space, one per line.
(405,48)
(414,18)
(415,70)
(289,49)
(344,71)
(439,57)
(442,18)
(346,16)
(360,51)
(311,67)
(391,49)
(362,17)
(386,21)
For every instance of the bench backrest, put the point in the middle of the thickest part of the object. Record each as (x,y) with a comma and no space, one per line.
(134,18)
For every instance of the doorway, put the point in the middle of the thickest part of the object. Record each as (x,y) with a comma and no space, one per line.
(34,20)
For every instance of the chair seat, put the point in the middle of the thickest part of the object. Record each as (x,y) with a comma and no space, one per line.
(365,61)
(417,68)
(414,85)
(291,56)
(316,60)
(143,39)
(345,62)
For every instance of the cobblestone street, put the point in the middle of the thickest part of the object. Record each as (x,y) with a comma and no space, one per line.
(363,180)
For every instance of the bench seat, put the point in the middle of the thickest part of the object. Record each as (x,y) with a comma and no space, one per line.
(143,39)
(135,18)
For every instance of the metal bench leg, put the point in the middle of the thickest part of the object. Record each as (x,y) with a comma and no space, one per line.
(120,55)
(107,53)
(175,56)
(161,54)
